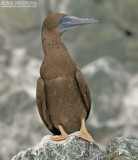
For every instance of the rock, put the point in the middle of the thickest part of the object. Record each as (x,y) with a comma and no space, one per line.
(73,148)
(123,149)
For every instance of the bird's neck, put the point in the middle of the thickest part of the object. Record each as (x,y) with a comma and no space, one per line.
(51,41)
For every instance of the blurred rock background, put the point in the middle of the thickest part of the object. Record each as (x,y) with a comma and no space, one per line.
(108,58)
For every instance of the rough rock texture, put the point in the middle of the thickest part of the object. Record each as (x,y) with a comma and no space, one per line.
(75,148)
(123,149)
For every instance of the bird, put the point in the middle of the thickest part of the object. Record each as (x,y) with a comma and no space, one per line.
(62,94)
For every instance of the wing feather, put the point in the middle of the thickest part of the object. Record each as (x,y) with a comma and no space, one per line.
(42,107)
(84,90)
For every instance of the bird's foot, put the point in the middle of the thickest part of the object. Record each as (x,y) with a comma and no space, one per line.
(63,135)
(60,138)
(83,134)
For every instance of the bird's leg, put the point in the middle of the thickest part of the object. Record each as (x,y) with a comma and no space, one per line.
(84,133)
(63,135)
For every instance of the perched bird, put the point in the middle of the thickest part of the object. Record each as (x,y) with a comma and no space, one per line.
(63,97)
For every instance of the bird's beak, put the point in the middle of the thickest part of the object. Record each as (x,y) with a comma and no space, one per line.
(69,22)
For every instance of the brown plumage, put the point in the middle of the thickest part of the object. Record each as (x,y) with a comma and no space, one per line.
(63,97)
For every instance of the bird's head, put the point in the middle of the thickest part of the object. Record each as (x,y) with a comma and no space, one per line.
(60,22)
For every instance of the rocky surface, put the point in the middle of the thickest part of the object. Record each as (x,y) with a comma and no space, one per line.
(75,148)
(123,149)
(107,54)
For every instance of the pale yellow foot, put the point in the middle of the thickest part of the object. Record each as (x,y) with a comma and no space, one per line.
(59,138)
(63,135)
(83,133)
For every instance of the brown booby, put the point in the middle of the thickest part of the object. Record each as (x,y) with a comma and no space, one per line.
(63,96)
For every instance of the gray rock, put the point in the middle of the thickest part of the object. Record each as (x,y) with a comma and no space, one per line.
(73,148)
(123,149)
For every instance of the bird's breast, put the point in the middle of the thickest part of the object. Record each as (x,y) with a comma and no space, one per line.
(64,100)
(61,84)
(60,79)
(62,90)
